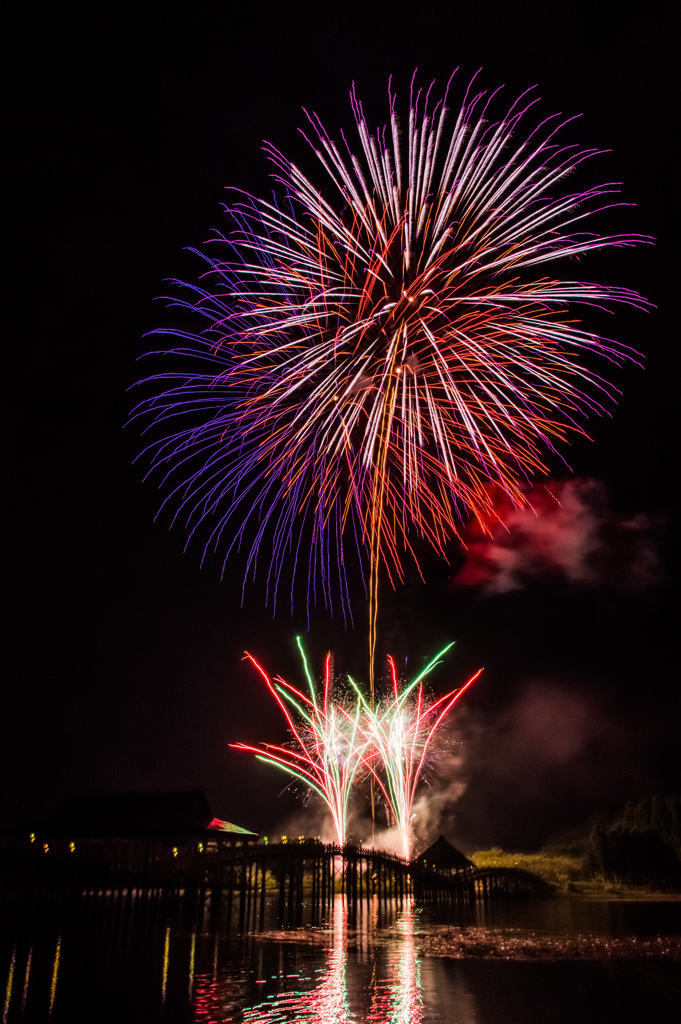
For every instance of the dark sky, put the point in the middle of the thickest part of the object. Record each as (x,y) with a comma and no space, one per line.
(124,655)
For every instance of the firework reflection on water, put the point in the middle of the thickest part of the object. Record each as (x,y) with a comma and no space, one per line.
(391,962)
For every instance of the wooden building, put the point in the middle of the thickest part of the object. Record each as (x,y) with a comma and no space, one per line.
(184,814)
(444,858)
(137,837)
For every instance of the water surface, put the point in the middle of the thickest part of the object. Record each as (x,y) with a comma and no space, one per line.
(556,961)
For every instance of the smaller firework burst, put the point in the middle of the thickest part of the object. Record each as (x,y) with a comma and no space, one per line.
(336,742)
(400,732)
(329,747)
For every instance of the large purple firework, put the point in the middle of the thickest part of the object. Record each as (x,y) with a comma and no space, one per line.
(368,357)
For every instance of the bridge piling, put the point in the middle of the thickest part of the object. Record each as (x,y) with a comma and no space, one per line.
(228,883)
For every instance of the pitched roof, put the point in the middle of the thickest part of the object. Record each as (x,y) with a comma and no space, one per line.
(443,855)
(139,814)
(217,825)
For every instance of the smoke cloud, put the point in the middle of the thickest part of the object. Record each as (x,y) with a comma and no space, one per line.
(442,785)
(568,533)
(552,758)
(434,807)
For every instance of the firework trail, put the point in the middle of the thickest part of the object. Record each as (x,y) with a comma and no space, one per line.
(365,359)
(400,733)
(330,746)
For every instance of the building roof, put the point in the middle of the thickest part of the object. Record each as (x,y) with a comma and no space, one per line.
(217,825)
(443,855)
(139,814)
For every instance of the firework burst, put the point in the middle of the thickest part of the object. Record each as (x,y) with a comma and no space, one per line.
(376,352)
(400,732)
(333,745)
(328,748)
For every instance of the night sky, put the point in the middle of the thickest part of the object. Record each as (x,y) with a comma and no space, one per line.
(124,656)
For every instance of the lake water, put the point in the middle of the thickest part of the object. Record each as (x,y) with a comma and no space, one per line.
(553,961)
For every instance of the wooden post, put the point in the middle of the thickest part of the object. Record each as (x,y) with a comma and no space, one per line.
(263,885)
(282,882)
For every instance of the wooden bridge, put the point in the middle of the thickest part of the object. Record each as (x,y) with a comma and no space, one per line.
(229,881)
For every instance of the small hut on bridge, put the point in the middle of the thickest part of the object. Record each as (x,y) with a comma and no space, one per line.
(445,859)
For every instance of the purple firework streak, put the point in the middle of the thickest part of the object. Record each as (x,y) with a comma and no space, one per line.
(368,357)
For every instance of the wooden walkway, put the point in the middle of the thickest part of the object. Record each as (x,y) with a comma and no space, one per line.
(228,881)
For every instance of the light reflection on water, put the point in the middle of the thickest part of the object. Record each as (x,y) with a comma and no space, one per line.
(498,963)
(395,995)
